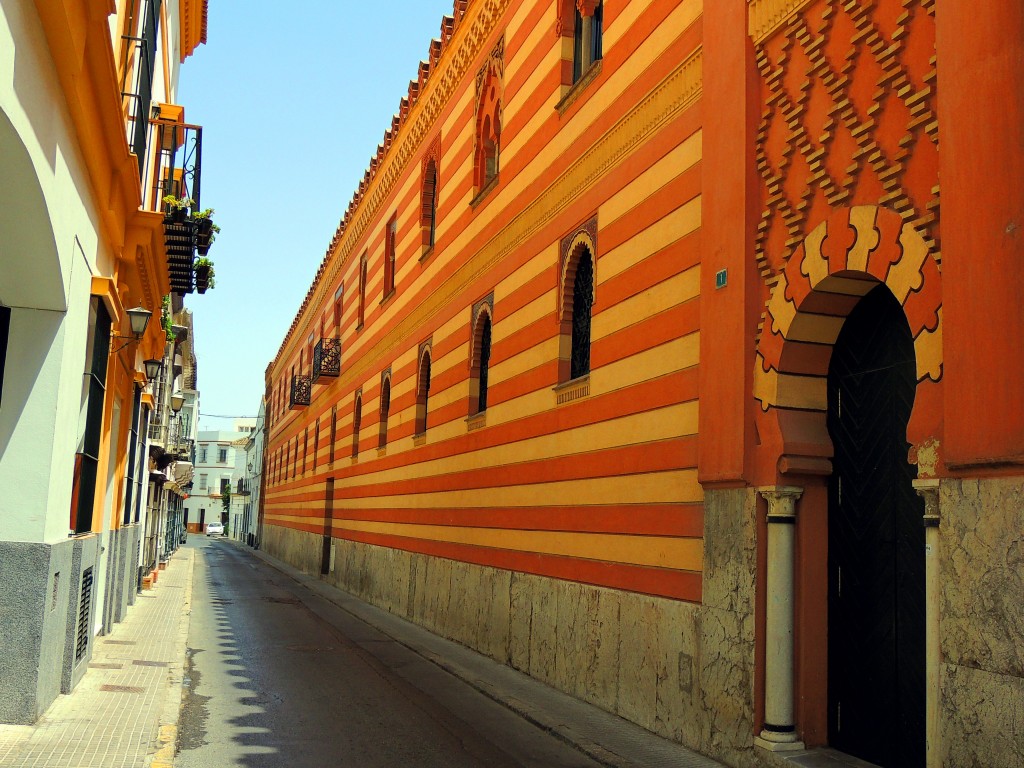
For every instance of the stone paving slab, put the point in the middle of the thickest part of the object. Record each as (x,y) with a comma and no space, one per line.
(124,712)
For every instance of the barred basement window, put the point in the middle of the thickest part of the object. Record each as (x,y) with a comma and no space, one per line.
(84,615)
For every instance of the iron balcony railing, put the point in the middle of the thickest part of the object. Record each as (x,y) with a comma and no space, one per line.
(174,163)
(327,358)
(139,52)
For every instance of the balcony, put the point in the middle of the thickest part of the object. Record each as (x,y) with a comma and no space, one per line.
(327,358)
(174,160)
(173,167)
(301,391)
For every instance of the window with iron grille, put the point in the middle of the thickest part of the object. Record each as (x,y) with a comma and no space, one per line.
(423,392)
(429,203)
(357,419)
(222,455)
(334,430)
(480,354)
(485,360)
(84,614)
(390,235)
(140,62)
(385,410)
(362,292)
(316,443)
(582,306)
(93,393)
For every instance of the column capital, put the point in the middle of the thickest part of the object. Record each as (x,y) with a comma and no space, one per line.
(781,502)
(586,7)
(928,489)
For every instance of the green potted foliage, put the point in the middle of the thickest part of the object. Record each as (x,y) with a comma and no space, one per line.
(204,274)
(206,230)
(176,208)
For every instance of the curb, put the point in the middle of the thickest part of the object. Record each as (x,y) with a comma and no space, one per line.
(170,712)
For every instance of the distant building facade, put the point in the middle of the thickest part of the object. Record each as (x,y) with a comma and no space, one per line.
(220,468)
(652,359)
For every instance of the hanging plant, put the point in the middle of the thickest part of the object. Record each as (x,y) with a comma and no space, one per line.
(206,230)
(204,274)
(176,208)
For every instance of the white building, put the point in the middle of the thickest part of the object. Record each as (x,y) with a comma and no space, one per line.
(85,91)
(220,468)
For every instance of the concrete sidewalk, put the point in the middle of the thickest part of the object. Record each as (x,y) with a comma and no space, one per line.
(604,737)
(124,712)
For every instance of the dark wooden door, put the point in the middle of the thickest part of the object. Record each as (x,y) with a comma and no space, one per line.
(876,623)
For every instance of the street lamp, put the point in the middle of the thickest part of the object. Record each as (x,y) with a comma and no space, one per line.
(138,319)
(152,369)
(177,400)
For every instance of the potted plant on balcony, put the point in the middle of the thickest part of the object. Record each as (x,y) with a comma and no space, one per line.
(206,230)
(176,209)
(204,274)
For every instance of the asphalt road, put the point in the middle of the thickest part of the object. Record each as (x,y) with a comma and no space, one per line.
(273,683)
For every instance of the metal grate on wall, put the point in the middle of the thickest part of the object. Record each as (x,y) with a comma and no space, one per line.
(84,610)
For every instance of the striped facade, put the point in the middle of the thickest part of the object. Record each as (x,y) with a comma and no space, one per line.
(601,488)
(644,510)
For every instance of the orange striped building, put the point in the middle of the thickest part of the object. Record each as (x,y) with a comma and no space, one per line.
(614,366)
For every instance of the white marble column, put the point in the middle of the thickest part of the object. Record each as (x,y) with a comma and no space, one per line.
(928,489)
(779,731)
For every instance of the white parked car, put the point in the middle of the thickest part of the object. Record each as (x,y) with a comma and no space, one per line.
(215,528)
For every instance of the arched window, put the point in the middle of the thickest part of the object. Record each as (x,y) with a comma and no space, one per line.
(480,359)
(357,422)
(390,235)
(362,292)
(385,410)
(334,430)
(428,217)
(582,305)
(423,391)
(577,294)
(488,119)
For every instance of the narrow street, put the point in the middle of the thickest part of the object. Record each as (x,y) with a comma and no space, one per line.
(279,676)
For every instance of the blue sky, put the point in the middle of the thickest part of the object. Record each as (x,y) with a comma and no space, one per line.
(293,104)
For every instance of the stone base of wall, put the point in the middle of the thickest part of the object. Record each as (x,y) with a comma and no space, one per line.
(981,622)
(35,592)
(681,670)
(85,555)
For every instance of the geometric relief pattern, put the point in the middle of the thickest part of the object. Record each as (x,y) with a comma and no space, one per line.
(839,262)
(848,118)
